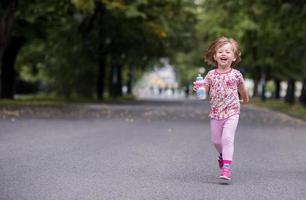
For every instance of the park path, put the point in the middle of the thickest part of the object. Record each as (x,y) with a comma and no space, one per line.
(146,150)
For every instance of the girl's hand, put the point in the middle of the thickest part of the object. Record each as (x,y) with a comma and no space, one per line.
(194,87)
(244,101)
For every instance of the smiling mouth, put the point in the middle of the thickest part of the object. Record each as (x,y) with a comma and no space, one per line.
(223,59)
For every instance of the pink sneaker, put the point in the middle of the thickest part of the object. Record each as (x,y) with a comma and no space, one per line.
(226,173)
(226,170)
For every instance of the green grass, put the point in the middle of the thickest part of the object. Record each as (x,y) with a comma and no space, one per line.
(31,102)
(43,100)
(296,110)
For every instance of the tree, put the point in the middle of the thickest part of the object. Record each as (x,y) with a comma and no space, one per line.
(7,12)
(32,21)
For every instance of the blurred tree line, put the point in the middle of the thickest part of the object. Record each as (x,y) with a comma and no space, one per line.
(83,47)
(91,48)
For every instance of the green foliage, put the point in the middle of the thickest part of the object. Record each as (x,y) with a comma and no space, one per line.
(84,5)
(73,72)
(67,39)
(270,33)
(53,54)
(135,33)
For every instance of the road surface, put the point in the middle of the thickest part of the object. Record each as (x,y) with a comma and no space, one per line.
(146,150)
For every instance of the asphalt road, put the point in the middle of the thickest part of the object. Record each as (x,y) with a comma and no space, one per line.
(146,151)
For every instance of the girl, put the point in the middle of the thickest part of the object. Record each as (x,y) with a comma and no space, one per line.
(223,84)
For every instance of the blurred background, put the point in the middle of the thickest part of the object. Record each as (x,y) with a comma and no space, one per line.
(110,49)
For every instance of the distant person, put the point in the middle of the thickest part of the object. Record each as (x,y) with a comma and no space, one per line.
(172,91)
(187,91)
(160,90)
(222,85)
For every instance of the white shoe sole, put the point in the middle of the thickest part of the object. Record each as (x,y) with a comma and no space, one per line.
(225,178)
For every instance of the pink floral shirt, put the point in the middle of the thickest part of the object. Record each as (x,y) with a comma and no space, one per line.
(223,93)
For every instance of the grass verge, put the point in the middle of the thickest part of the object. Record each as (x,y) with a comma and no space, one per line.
(296,110)
(55,101)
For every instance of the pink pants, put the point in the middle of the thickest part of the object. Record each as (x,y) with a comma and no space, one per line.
(223,135)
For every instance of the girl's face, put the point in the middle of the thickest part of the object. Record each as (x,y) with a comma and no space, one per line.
(224,56)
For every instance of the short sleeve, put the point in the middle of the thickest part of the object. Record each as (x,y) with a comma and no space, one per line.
(207,79)
(239,78)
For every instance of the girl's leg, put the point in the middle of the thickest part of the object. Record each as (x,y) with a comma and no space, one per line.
(228,136)
(216,133)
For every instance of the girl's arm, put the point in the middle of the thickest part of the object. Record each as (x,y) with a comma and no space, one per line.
(206,89)
(244,94)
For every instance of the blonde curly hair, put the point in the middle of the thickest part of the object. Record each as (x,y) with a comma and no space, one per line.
(215,45)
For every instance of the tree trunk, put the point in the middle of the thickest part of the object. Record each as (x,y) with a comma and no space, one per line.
(115,82)
(255,89)
(303,94)
(257,79)
(7,8)
(112,80)
(8,74)
(101,76)
(130,79)
(251,36)
(277,88)
(290,91)
(262,84)
(119,83)
(263,91)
